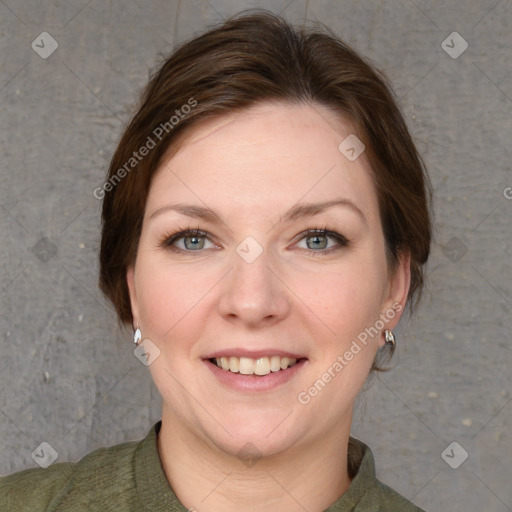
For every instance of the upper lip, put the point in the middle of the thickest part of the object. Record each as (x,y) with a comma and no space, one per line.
(252,354)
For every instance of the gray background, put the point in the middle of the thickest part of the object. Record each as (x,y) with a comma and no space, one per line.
(68,374)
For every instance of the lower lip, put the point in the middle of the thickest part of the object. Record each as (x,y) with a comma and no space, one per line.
(242,382)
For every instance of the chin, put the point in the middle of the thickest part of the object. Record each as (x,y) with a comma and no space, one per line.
(269,432)
(251,446)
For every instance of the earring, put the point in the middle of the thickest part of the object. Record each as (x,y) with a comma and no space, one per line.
(390,338)
(137,336)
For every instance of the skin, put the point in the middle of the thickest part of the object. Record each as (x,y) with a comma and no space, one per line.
(251,168)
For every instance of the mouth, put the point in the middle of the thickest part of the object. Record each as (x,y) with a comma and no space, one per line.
(260,366)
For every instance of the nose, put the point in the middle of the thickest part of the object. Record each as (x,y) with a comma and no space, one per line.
(254,292)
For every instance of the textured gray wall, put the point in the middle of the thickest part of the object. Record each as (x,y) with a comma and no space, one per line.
(69,377)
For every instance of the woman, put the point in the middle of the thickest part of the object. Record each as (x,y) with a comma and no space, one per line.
(265,224)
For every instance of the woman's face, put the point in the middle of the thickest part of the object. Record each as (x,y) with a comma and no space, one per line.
(254,283)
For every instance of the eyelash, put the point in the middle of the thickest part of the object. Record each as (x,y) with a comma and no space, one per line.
(167,240)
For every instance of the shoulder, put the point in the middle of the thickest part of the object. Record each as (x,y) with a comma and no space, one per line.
(33,488)
(366,492)
(104,471)
(384,499)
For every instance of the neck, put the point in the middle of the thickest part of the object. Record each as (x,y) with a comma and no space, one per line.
(204,478)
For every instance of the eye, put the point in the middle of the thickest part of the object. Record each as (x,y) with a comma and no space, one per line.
(320,239)
(193,240)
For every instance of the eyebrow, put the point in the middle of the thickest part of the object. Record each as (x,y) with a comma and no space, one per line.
(296,212)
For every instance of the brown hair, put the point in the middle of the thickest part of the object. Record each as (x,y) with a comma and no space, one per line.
(250,58)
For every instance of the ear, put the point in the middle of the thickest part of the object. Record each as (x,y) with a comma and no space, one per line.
(130,279)
(397,292)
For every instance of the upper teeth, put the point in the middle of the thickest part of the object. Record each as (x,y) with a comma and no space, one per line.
(260,366)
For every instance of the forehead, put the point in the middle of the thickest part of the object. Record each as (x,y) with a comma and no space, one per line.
(269,156)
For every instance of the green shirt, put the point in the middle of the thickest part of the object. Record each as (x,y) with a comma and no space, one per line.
(129,477)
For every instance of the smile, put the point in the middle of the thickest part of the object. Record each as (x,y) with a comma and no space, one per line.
(249,366)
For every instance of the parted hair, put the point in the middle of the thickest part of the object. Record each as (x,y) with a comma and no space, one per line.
(252,57)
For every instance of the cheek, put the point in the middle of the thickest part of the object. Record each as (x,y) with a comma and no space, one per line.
(167,299)
(346,299)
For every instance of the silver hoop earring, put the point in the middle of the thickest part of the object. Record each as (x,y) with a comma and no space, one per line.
(390,338)
(137,336)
